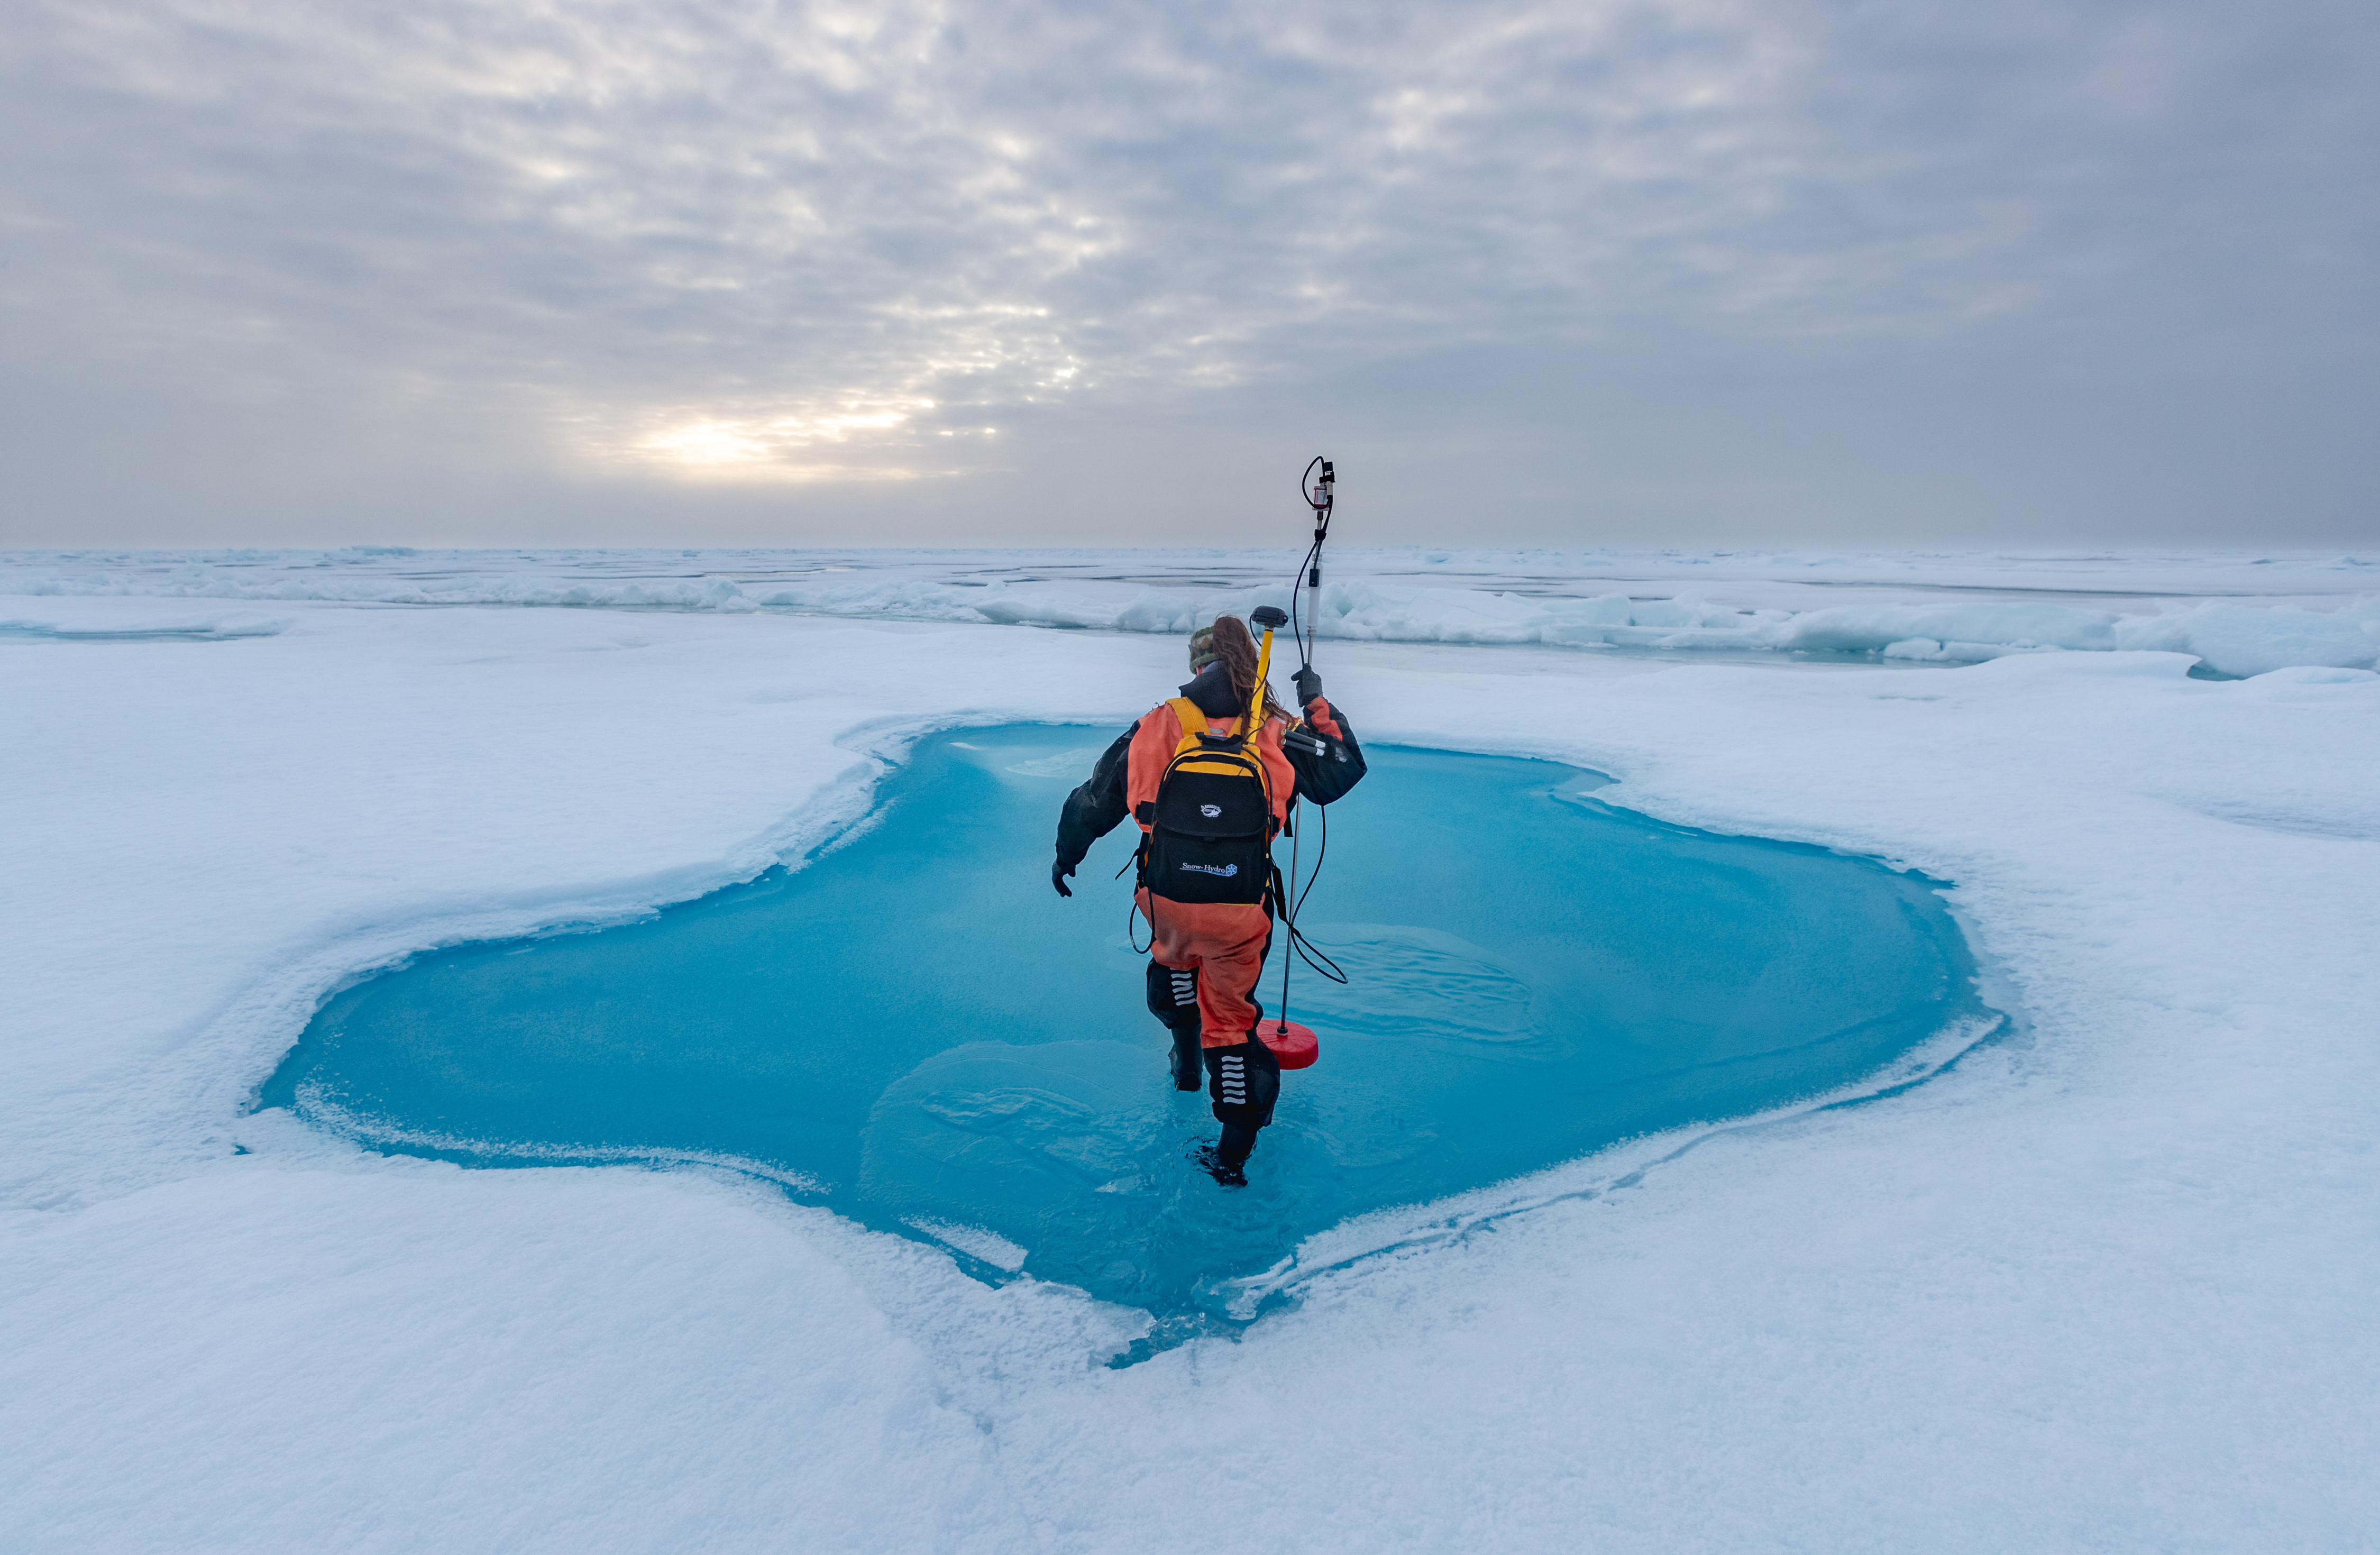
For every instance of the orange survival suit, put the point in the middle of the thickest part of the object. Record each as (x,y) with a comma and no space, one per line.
(1205,956)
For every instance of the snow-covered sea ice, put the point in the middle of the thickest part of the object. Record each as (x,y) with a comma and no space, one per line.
(2107,1285)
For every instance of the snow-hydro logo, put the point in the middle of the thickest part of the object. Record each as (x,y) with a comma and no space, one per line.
(1211,811)
(1226,870)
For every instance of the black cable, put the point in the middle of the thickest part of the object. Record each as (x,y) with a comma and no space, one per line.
(1321,851)
(1306,949)
(1131,918)
(1307,634)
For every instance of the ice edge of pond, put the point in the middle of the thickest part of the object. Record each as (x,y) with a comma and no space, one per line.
(885,743)
(1395,1231)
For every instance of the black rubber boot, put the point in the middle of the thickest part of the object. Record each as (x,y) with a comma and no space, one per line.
(1244,1081)
(1189,1062)
(1226,1160)
(1173,999)
(1231,1172)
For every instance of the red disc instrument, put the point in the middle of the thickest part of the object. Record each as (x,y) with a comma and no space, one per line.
(1293,1046)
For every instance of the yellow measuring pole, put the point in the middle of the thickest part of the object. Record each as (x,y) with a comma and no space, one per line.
(1264,671)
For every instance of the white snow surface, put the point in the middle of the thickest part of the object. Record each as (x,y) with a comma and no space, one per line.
(2238,612)
(2107,1285)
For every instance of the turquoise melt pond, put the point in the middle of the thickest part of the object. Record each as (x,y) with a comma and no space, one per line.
(911,1028)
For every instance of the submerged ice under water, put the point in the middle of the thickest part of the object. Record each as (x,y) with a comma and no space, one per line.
(914,1029)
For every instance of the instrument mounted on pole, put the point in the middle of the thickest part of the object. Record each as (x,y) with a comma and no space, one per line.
(1293,1044)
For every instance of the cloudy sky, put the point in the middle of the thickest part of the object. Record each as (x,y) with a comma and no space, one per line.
(1602,272)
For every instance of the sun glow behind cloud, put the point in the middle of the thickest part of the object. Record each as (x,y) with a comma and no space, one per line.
(779,449)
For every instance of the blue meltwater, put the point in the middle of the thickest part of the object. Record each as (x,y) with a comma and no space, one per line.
(915,1027)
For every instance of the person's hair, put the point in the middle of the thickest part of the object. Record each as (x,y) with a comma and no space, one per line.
(1239,654)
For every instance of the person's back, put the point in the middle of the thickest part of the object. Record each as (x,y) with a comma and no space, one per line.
(1210,907)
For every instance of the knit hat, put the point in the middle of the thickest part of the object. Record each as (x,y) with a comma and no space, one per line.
(1202,649)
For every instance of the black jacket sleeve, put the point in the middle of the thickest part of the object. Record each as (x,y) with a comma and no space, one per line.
(1092,810)
(1327,768)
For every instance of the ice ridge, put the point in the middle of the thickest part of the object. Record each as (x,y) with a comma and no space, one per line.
(1091,591)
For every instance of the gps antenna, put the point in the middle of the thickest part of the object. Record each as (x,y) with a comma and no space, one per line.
(1268,617)
(1318,496)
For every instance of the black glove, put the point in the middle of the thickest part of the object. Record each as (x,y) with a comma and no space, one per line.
(1309,682)
(1059,870)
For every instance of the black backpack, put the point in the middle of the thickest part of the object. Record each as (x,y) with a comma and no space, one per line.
(1210,827)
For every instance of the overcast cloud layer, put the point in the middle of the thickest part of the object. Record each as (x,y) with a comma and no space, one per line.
(1609,272)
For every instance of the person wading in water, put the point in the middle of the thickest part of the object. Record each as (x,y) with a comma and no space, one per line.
(1208,889)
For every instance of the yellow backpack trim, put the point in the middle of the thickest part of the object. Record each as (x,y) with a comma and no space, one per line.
(1193,755)
(1192,720)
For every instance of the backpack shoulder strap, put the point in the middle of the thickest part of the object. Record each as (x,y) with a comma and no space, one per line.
(1193,721)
